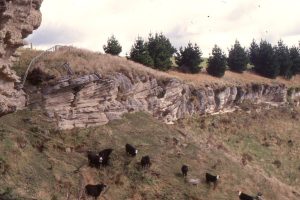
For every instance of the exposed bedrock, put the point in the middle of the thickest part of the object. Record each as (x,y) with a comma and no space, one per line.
(92,100)
(18,18)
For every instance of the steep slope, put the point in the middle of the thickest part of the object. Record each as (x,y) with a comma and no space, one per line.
(18,19)
(104,87)
(93,100)
(254,151)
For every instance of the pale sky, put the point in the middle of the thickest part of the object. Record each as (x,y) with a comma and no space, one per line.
(88,23)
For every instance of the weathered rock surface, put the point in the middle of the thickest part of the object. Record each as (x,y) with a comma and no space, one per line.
(93,100)
(18,18)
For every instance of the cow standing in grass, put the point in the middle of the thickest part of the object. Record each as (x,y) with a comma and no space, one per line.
(212,179)
(184,170)
(94,190)
(94,159)
(131,150)
(105,153)
(145,162)
(104,156)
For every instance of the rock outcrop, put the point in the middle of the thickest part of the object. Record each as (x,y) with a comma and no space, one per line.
(18,18)
(93,100)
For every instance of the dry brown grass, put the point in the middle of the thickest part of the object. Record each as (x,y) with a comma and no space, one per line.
(84,62)
(232,78)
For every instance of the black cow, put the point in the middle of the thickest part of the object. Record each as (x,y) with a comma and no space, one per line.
(94,190)
(244,196)
(131,150)
(104,156)
(94,160)
(145,161)
(212,179)
(184,170)
(105,153)
(104,162)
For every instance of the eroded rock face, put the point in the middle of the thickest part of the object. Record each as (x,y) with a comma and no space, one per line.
(92,100)
(18,18)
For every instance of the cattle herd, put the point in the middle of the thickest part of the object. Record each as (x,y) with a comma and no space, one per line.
(102,159)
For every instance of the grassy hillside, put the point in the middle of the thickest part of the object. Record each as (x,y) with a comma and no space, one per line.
(84,62)
(81,61)
(252,151)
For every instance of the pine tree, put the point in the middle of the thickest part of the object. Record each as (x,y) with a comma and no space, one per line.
(284,60)
(189,58)
(161,51)
(237,58)
(253,53)
(113,47)
(295,59)
(139,53)
(267,63)
(217,62)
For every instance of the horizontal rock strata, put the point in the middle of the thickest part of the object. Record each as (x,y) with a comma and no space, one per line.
(93,100)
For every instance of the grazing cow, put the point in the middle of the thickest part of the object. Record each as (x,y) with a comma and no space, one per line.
(94,160)
(104,156)
(105,153)
(131,150)
(145,161)
(184,170)
(244,196)
(212,179)
(94,190)
(104,162)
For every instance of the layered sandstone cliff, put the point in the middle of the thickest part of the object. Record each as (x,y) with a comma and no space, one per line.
(18,18)
(92,100)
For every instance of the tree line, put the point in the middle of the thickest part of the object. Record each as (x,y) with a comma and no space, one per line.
(267,60)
